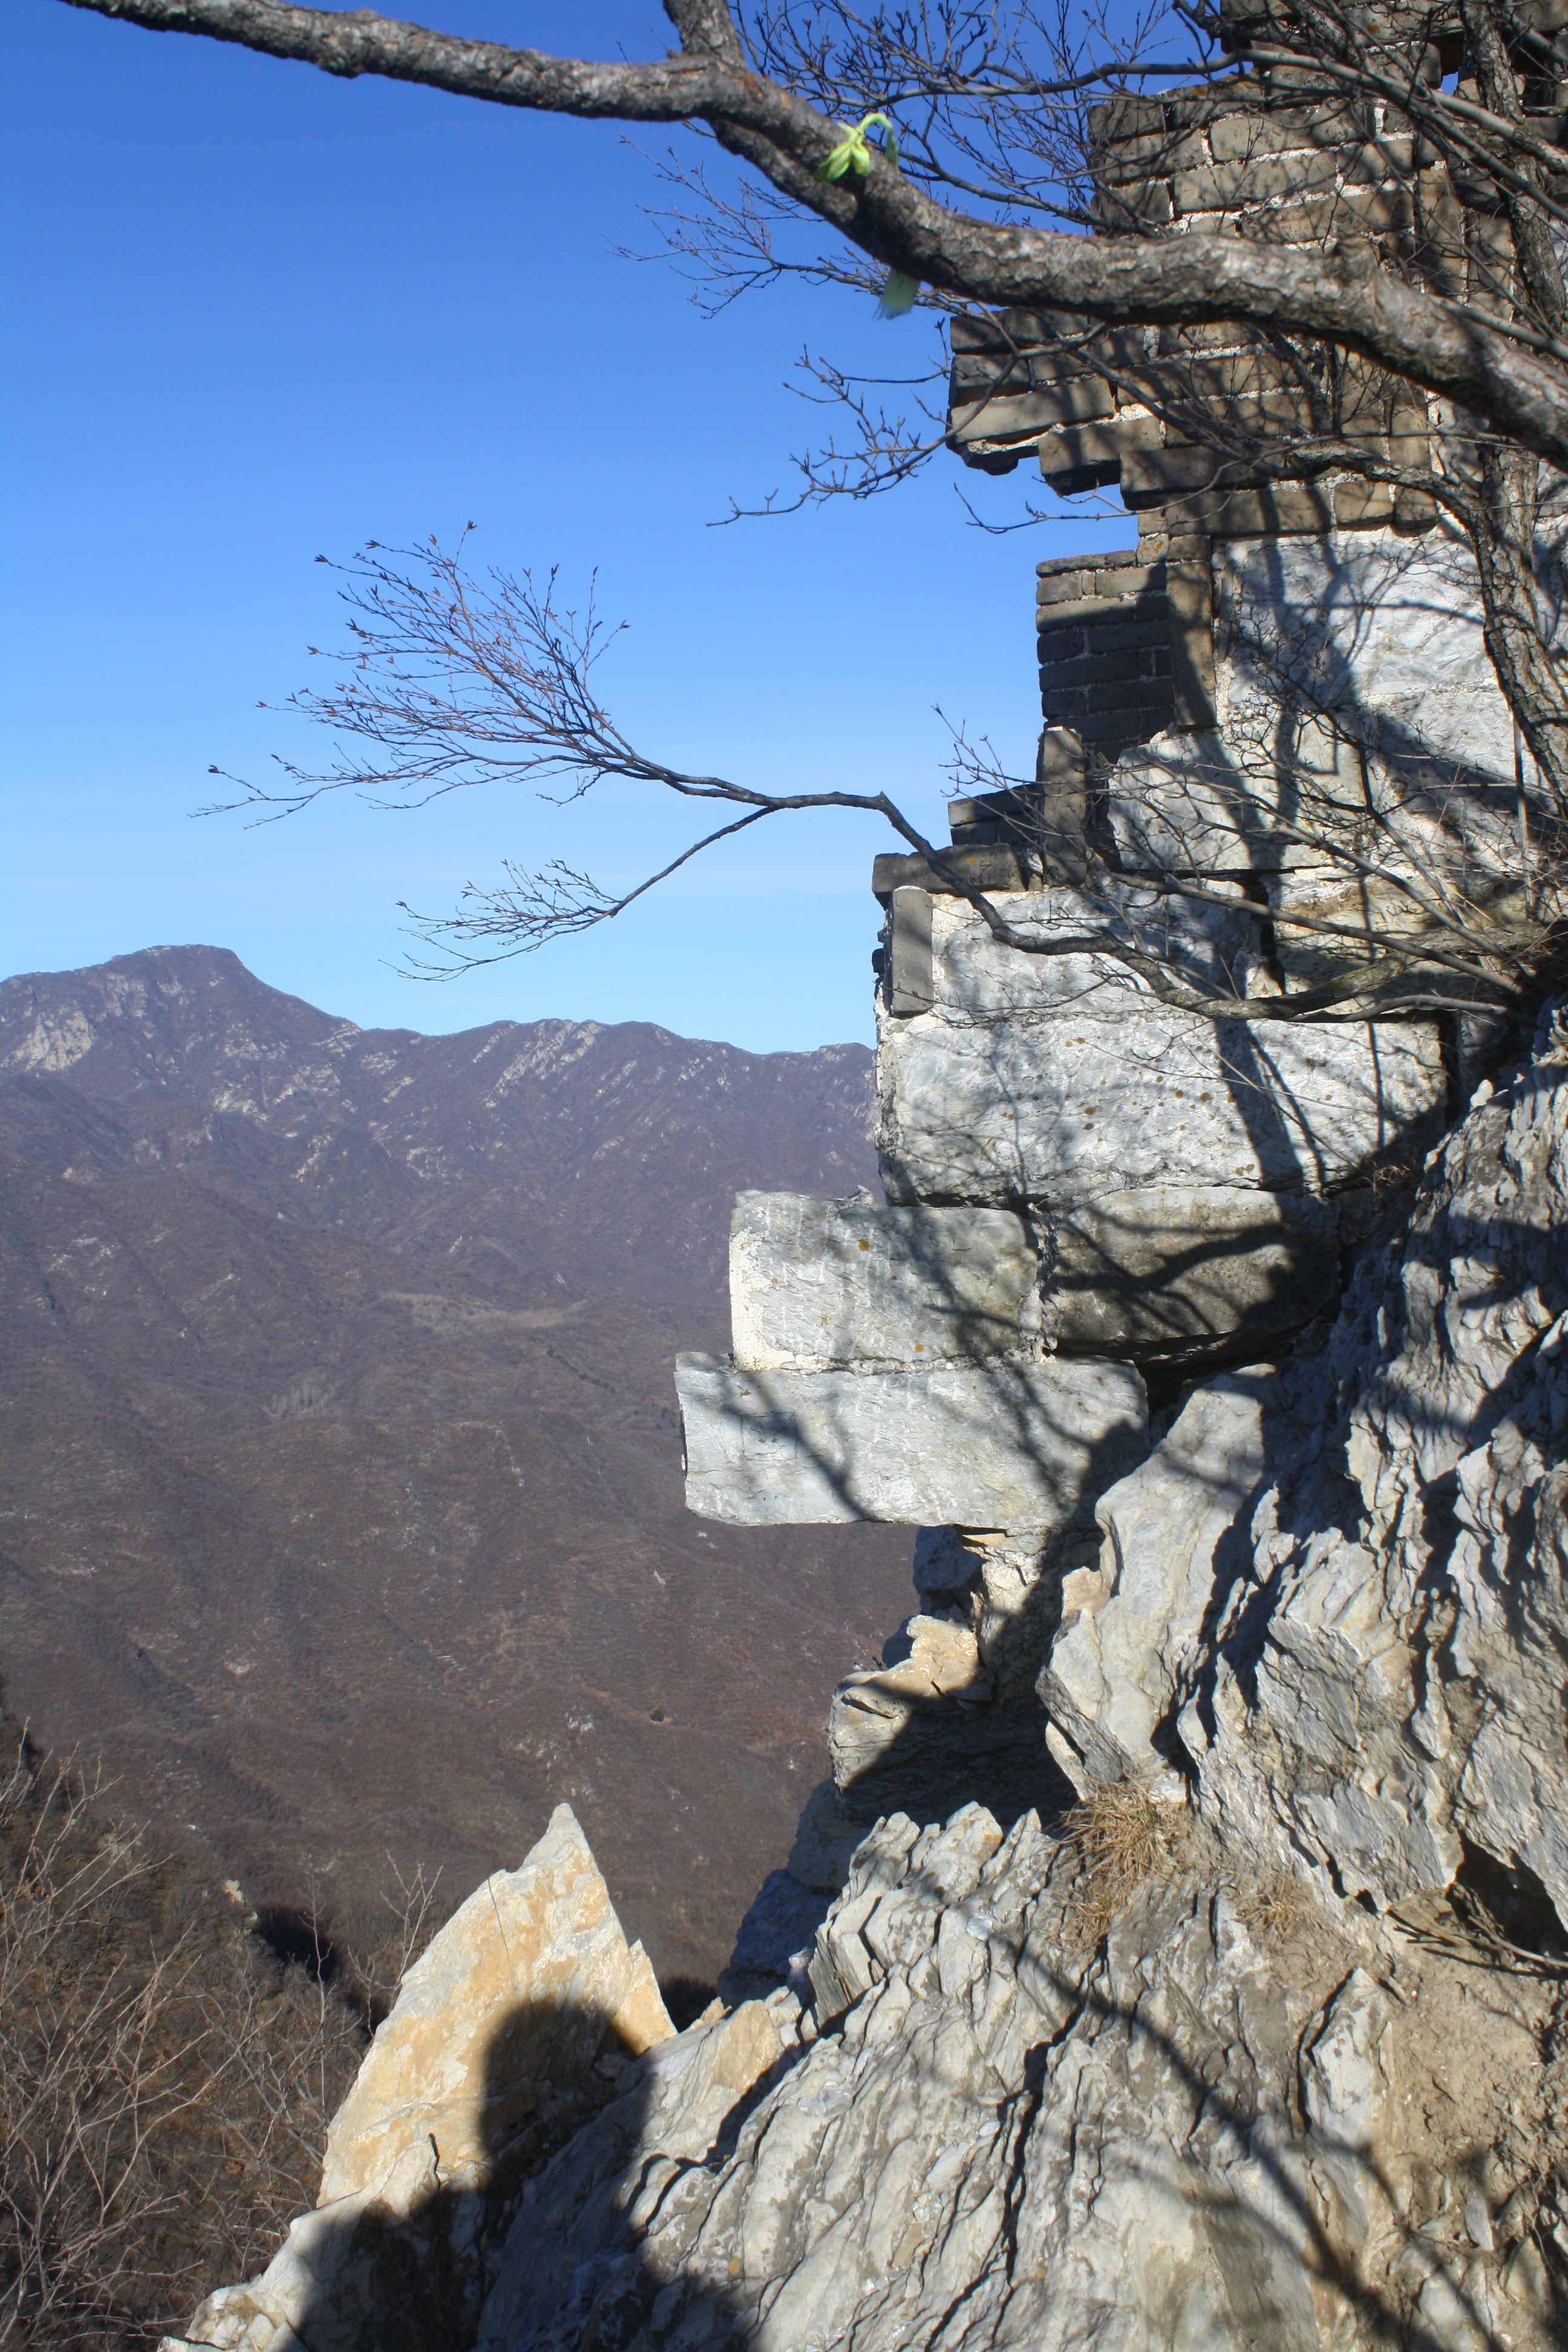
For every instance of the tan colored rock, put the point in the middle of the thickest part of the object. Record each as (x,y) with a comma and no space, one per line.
(489,2061)
(523,1988)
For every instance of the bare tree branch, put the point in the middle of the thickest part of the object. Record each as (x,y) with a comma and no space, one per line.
(1340,292)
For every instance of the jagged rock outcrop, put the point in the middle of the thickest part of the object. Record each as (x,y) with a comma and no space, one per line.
(511,2005)
(1012,2132)
(509,2032)
(1336,1594)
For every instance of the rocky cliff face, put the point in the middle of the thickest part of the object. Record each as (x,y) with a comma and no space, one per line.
(1262,2043)
(1178,1955)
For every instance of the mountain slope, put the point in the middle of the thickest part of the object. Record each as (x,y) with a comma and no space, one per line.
(339,1488)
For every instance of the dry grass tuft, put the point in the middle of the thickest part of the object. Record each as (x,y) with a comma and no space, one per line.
(1123,1837)
(1276,1909)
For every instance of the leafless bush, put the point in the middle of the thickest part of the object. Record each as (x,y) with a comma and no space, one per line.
(1276,1907)
(165,2082)
(376,1950)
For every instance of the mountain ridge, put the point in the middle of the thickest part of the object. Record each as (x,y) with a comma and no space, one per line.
(340,1490)
(482,1103)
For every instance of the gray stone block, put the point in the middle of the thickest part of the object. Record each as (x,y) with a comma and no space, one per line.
(989,1114)
(1177,1273)
(993,866)
(1006,414)
(1058,1079)
(909,978)
(1061,769)
(814,1284)
(1013,816)
(1190,591)
(1256,514)
(1076,456)
(974,1445)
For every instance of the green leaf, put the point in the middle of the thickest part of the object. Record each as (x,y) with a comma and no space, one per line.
(852,152)
(898,294)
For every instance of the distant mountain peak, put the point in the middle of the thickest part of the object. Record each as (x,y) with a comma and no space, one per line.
(645,1136)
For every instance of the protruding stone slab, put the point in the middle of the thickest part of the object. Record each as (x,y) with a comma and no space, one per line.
(994,1446)
(814,1284)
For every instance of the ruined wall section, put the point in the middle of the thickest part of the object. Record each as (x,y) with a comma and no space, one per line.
(1095,1194)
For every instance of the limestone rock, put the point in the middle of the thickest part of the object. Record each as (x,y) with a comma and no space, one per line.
(927,1730)
(819,1283)
(524,1986)
(1006,1584)
(493,2055)
(565,2268)
(1177,1546)
(1353,1610)
(1177,2136)
(984,1445)
(1404,1683)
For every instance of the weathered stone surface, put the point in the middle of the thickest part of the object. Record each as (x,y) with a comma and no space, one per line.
(815,1283)
(495,2050)
(571,2263)
(1167,1273)
(1350,662)
(518,1994)
(1060,1081)
(993,865)
(1178,2135)
(1134,1629)
(1390,629)
(1408,1681)
(993,1445)
(1178,1271)
(779,1926)
(927,1731)
(1005,1584)
(1366,1668)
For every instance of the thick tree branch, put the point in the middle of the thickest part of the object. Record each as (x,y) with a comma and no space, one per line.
(1341,293)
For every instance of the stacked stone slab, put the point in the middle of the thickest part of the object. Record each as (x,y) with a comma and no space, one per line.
(889,1364)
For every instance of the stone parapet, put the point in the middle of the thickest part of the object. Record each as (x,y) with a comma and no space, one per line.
(998,1445)
(1126,648)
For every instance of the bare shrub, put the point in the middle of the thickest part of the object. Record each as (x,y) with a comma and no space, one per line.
(165,2080)
(1276,1907)
(96,2064)
(376,1950)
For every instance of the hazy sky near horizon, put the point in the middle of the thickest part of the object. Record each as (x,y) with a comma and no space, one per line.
(255,315)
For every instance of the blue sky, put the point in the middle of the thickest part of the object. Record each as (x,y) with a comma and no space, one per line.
(252,315)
